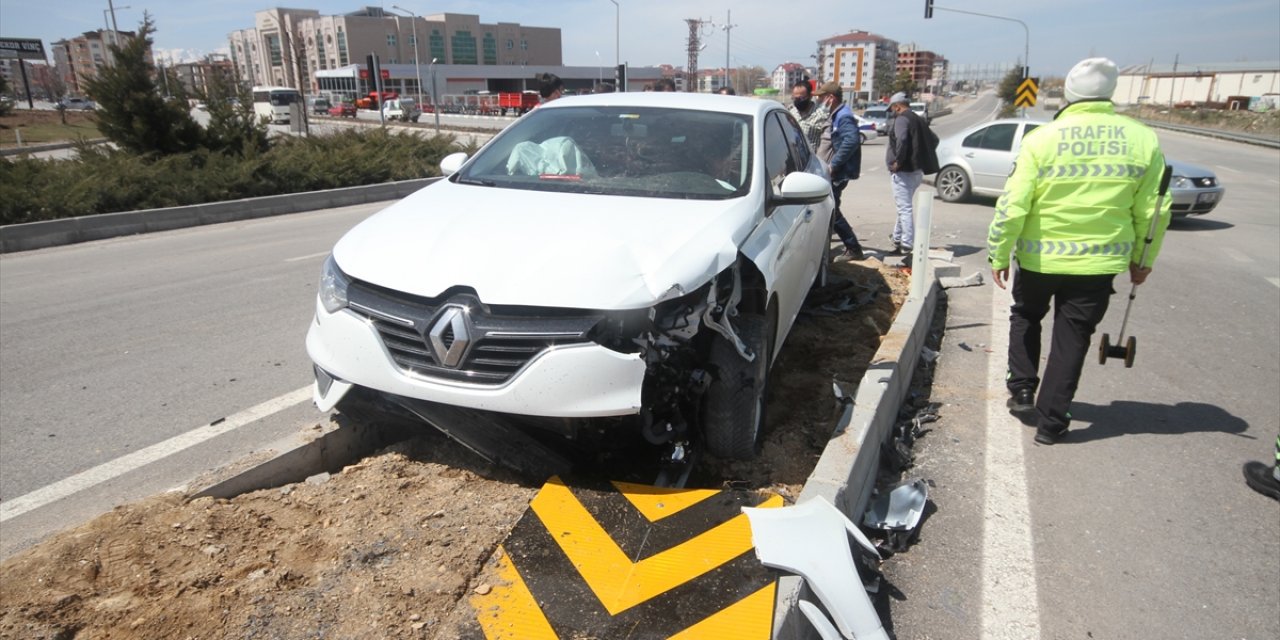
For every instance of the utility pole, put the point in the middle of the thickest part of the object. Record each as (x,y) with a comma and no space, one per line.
(1173,81)
(930,7)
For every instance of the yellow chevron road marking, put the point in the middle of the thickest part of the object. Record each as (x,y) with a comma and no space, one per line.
(656,503)
(508,611)
(618,582)
(750,618)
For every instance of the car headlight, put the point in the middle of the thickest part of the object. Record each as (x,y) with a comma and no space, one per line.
(333,286)
(1179,182)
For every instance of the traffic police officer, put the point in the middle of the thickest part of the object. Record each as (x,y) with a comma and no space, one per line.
(1074,213)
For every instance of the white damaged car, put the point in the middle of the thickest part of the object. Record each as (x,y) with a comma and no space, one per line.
(628,261)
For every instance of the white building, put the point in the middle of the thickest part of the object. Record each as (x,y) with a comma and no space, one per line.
(855,59)
(786,75)
(1197,83)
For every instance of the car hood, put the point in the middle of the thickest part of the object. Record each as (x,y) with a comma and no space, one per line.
(517,247)
(1189,170)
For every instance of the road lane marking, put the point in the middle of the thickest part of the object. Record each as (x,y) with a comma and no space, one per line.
(1275,281)
(1227,168)
(124,464)
(1240,257)
(307,257)
(1010,606)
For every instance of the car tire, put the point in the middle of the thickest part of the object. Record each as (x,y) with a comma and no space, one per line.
(734,404)
(953,184)
(864,136)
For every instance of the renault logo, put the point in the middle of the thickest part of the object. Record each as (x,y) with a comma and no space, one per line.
(450,336)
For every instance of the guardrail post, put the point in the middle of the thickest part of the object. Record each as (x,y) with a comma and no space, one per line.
(920,250)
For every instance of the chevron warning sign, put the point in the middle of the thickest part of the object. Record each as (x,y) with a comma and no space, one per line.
(1026,96)
(629,561)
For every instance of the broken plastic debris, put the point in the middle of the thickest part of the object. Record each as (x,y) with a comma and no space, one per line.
(826,630)
(929,355)
(899,508)
(811,540)
(972,280)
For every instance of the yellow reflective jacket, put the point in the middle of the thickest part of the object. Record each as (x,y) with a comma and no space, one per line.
(1081,195)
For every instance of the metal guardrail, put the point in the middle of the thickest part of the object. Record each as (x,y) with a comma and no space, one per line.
(1232,136)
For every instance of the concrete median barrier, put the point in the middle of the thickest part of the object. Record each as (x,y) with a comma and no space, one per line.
(52,233)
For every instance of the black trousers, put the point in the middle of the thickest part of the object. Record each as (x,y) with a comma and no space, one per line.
(847,236)
(1079,304)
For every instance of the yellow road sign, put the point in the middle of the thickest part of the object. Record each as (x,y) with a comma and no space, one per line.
(602,562)
(1026,96)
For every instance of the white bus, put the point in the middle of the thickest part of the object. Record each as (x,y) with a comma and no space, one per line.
(273,102)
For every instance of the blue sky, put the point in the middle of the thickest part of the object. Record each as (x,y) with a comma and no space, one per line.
(768,32)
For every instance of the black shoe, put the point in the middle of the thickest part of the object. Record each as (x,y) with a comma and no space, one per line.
(1262,478)
(895,251)
(1022,401)
(1045,435)
(852,253)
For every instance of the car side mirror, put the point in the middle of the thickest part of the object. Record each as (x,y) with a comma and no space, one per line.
(452,162)
(803,188)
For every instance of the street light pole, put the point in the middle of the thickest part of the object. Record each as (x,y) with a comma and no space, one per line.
(111,27)
(617,33)
(417,70)
(1026,51)
(435,97)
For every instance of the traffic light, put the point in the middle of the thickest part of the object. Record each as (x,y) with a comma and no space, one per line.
(620,75)
(928,9)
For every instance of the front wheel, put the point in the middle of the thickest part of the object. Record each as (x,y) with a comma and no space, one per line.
(734,404)
(953,184)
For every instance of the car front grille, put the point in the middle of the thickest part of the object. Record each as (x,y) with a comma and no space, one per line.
(497,344)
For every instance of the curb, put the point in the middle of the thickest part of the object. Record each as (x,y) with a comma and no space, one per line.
(52,146)
(846,471)
(52,233)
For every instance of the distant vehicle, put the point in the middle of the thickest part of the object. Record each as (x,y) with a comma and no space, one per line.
(921,109)
(373,99)
(979,159)
(518,103)
(402,109)
(77,103)
(866,128)
(878,116)
(343,110)
(320,106)
(272,103)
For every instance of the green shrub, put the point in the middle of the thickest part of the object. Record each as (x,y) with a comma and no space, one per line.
(103,180)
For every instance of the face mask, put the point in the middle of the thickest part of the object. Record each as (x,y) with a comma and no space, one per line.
(802,103)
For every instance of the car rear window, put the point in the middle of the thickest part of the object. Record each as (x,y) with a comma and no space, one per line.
(620,150)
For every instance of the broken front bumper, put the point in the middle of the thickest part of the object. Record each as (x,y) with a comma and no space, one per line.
(573,381)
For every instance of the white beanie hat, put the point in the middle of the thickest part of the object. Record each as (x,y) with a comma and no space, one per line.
(898,97)
(1091,79)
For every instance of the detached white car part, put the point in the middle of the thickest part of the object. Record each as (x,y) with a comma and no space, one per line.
(637,257)
(811,540)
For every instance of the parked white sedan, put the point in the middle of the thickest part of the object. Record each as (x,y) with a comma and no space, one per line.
(979,159)
(614,262)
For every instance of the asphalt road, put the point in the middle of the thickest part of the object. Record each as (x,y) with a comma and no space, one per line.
(1139,525)
(112,347)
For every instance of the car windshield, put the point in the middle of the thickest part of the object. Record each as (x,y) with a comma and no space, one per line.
(874,113)
(619,150)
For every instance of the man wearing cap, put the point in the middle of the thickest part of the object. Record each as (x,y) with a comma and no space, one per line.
(1075,212)
(904,155)
(843,155)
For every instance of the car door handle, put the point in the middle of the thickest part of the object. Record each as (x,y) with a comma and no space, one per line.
(808,214)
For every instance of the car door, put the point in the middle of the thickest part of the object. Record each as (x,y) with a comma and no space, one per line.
(782,247)
(990,153)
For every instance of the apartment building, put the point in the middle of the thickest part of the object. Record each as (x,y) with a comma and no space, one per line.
(78,59)
(270,52)
(196,76)
(786,75)
(917,62)
(856,60)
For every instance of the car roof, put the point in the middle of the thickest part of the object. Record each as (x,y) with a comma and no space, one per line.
(660,99)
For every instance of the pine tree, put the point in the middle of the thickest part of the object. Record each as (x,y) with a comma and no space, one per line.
(132,112)
(233,127)
(1008,91)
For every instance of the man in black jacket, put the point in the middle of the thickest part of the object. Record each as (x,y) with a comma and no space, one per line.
(905,157)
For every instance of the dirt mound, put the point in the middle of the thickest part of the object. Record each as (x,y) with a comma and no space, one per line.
(389,547)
